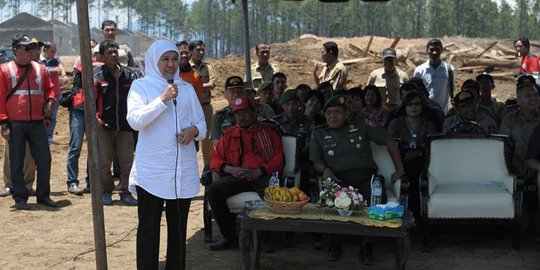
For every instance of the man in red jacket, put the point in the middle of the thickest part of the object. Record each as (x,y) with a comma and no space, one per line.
(529,61)
(245,156)
(26,100)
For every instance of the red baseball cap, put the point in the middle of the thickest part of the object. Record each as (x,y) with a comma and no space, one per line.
(242,103)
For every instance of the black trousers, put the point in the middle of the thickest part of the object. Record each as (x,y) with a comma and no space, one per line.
(35,133)
(149,210)
(220,190)
(413,169)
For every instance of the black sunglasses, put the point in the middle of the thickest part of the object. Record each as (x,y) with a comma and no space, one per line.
(28,47)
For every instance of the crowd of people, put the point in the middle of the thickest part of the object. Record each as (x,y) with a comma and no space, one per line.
(157,161)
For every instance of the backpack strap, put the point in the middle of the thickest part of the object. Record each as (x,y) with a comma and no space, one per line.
(21,79)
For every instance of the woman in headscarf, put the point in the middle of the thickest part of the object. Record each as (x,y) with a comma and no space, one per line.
(166,112)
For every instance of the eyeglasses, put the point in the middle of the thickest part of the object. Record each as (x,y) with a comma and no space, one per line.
(29,48)
(414,104)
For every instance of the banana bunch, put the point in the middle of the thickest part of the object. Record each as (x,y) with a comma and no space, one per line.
(283,194)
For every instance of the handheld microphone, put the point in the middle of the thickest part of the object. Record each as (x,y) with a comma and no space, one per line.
(170,80)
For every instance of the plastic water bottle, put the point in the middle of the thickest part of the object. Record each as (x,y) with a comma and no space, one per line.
(274,180)
(376,190)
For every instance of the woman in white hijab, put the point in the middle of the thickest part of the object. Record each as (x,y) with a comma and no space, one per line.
(166,112)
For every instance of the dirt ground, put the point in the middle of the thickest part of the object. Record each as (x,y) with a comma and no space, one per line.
(62,238)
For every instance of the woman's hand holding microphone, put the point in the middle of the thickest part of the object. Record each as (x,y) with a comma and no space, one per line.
(170,92)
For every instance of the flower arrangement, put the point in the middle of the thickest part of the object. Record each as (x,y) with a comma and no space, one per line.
(344,199)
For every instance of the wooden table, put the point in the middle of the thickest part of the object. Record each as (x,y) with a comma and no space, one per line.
(250,244)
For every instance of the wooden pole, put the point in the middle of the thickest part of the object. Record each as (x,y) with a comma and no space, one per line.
(368,45)
(91,133)
(487,49)
(396,41)
(247,55)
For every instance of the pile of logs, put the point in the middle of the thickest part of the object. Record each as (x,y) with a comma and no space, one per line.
(496,59)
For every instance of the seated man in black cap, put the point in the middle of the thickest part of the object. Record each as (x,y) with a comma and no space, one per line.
(467,111)
(245,156)
(341,150)
(224,118)
(473,87)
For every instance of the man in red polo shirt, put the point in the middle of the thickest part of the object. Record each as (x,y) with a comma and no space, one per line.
(245,156)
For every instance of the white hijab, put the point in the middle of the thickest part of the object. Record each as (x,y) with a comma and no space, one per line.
(153,77)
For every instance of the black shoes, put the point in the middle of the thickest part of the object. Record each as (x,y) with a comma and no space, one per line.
(48,202)
(223,244)
(21,206)
(334,251)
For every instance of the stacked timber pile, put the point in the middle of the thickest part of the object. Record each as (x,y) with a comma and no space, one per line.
(495,58)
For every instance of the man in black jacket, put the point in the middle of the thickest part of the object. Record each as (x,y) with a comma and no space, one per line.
(112,82)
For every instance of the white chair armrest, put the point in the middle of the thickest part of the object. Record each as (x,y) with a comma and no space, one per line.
(396,187)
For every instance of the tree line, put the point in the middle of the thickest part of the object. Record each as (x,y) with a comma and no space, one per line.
(219,22)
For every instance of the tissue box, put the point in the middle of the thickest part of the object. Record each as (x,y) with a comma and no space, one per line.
(387,211)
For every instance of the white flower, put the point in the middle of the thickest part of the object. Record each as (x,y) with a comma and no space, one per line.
(357,198)
(343,201)
(329,203)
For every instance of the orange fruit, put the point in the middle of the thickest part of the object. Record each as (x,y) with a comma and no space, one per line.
(294,191)
(302,196)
